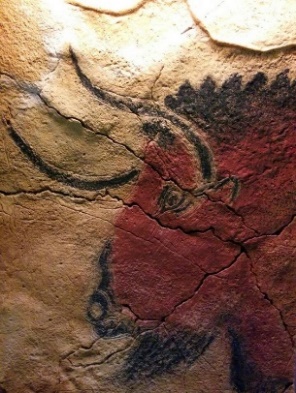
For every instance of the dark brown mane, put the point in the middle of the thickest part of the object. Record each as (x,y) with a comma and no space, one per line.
(227,112)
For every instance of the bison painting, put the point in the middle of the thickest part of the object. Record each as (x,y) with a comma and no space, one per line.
(203,247)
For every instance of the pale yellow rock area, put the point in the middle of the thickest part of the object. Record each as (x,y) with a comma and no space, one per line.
(258,25)
(111,7)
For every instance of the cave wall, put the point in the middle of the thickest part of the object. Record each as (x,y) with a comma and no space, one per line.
(147,196)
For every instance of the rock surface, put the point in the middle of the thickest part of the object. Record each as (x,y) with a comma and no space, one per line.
(110,7)
(147,201)
(259,25)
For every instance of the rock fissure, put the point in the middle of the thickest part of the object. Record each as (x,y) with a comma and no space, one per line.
(232,210)
(277,232)
(50,190)
(128,148)
(137,107)
(202,282)
(158,76)
(101,362)
(271,302)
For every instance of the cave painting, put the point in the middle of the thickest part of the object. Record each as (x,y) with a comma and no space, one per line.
(197,248)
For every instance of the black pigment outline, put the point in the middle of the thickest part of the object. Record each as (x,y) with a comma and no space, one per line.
(153,354)
(138,107)
(104,324)
(176,348)
(128,105)
(65,178)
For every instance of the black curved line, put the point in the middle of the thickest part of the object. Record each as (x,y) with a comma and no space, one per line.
(104,268)
(98,92)
(105,325)
(53,173)
(139,108)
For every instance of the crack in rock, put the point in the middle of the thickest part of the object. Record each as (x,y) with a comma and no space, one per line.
(271,302)
(203,281)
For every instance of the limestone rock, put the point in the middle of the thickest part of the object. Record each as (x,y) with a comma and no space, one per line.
(111,7)
(147,201)
(259,25)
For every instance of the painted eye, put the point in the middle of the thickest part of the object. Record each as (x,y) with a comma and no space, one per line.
(172,199)
(98,306)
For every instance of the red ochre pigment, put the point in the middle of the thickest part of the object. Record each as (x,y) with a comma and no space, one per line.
(218,265)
